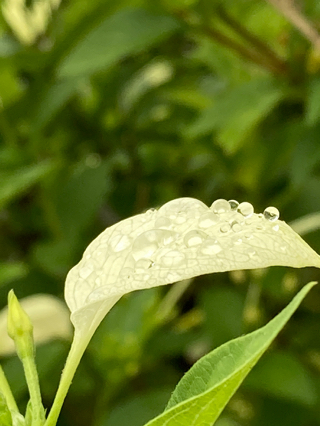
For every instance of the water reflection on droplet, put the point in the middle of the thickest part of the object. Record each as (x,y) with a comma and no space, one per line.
(194,238)
(246,209)
(276,228)
(142,265)
(210,248)
(147,243)
(220,206)
(233,204)
(271,213)
(208,219)
(235,226)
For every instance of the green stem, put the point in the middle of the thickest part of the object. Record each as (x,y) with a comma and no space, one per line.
(6,391)
(32,378)
(77,349)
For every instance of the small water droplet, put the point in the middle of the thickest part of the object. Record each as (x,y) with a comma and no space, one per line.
(172,258)
(224,228)
(142,265)
(210,248)
(238,242)
(85,271)
(251,253)
(208,219)
(246,209)
(233,204)
(235,226)
(248,235)
(271,213)
(194,238)
(220,206)
(147,243)
(276,228)
(162,222)
(120,242)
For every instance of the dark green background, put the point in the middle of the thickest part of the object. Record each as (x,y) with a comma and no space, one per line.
(123,105)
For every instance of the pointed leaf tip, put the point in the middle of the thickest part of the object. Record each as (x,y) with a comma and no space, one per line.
(182,239)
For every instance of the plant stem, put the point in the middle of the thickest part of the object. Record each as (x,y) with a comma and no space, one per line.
(32,378)
(6,391)
(76,351)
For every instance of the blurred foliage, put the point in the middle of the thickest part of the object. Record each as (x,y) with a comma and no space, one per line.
(109,108)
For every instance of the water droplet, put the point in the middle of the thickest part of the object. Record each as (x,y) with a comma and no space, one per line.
(276,228)
(194,238)
(85,271)
(146,244)
(224,228)
(208,219)
(248,235)
(271,213)
(246,209)
(173,258)
(190,206)
(238,242)
(220,206)
(235,226)
(233,204)
(120,242)
(210,248)
(251,253)
(142,265)
(162,222)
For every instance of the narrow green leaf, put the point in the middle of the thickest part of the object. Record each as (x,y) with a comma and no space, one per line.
(15,183)
(127,31)
(204,391)
(5,415)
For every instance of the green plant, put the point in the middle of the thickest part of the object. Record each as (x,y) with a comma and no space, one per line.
(182,239)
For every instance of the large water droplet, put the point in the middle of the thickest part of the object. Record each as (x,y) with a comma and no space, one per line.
(162,222)
(271,213)
(190,206)
(194,238)
(233,204)
(246,209)
(220,206)
(208,219)
(210,248)
(119,242)
(172,258)
(146,244)
(86,270)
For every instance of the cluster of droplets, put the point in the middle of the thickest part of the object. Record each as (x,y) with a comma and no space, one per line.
(181,231)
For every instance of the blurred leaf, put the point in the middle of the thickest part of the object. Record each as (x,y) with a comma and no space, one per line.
(313,103)
(203,392)
(138,409)
(13,184)
(127,31)
(282,375)
(237,112)
(12,271)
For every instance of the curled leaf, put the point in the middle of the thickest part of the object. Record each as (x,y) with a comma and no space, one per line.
(182,239)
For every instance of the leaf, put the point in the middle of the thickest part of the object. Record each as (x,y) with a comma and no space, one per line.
(127,31)
(182,239)
(203,392)
(10,271)
(237,113)
(15,183)
(313,104)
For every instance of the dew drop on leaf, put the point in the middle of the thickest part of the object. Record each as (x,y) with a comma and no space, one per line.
(194,238)
(208,219)
(271,213)
(246,209)
(220,206)
(210,248)
(233,204)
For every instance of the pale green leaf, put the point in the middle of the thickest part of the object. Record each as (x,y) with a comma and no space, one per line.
(127,31)
(203,392)
(182,239)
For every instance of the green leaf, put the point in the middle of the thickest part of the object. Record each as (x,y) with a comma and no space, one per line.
(204,391)
(15,183)
(5,415)
(238,112)
(12,271)
(313,103)
(127,31)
